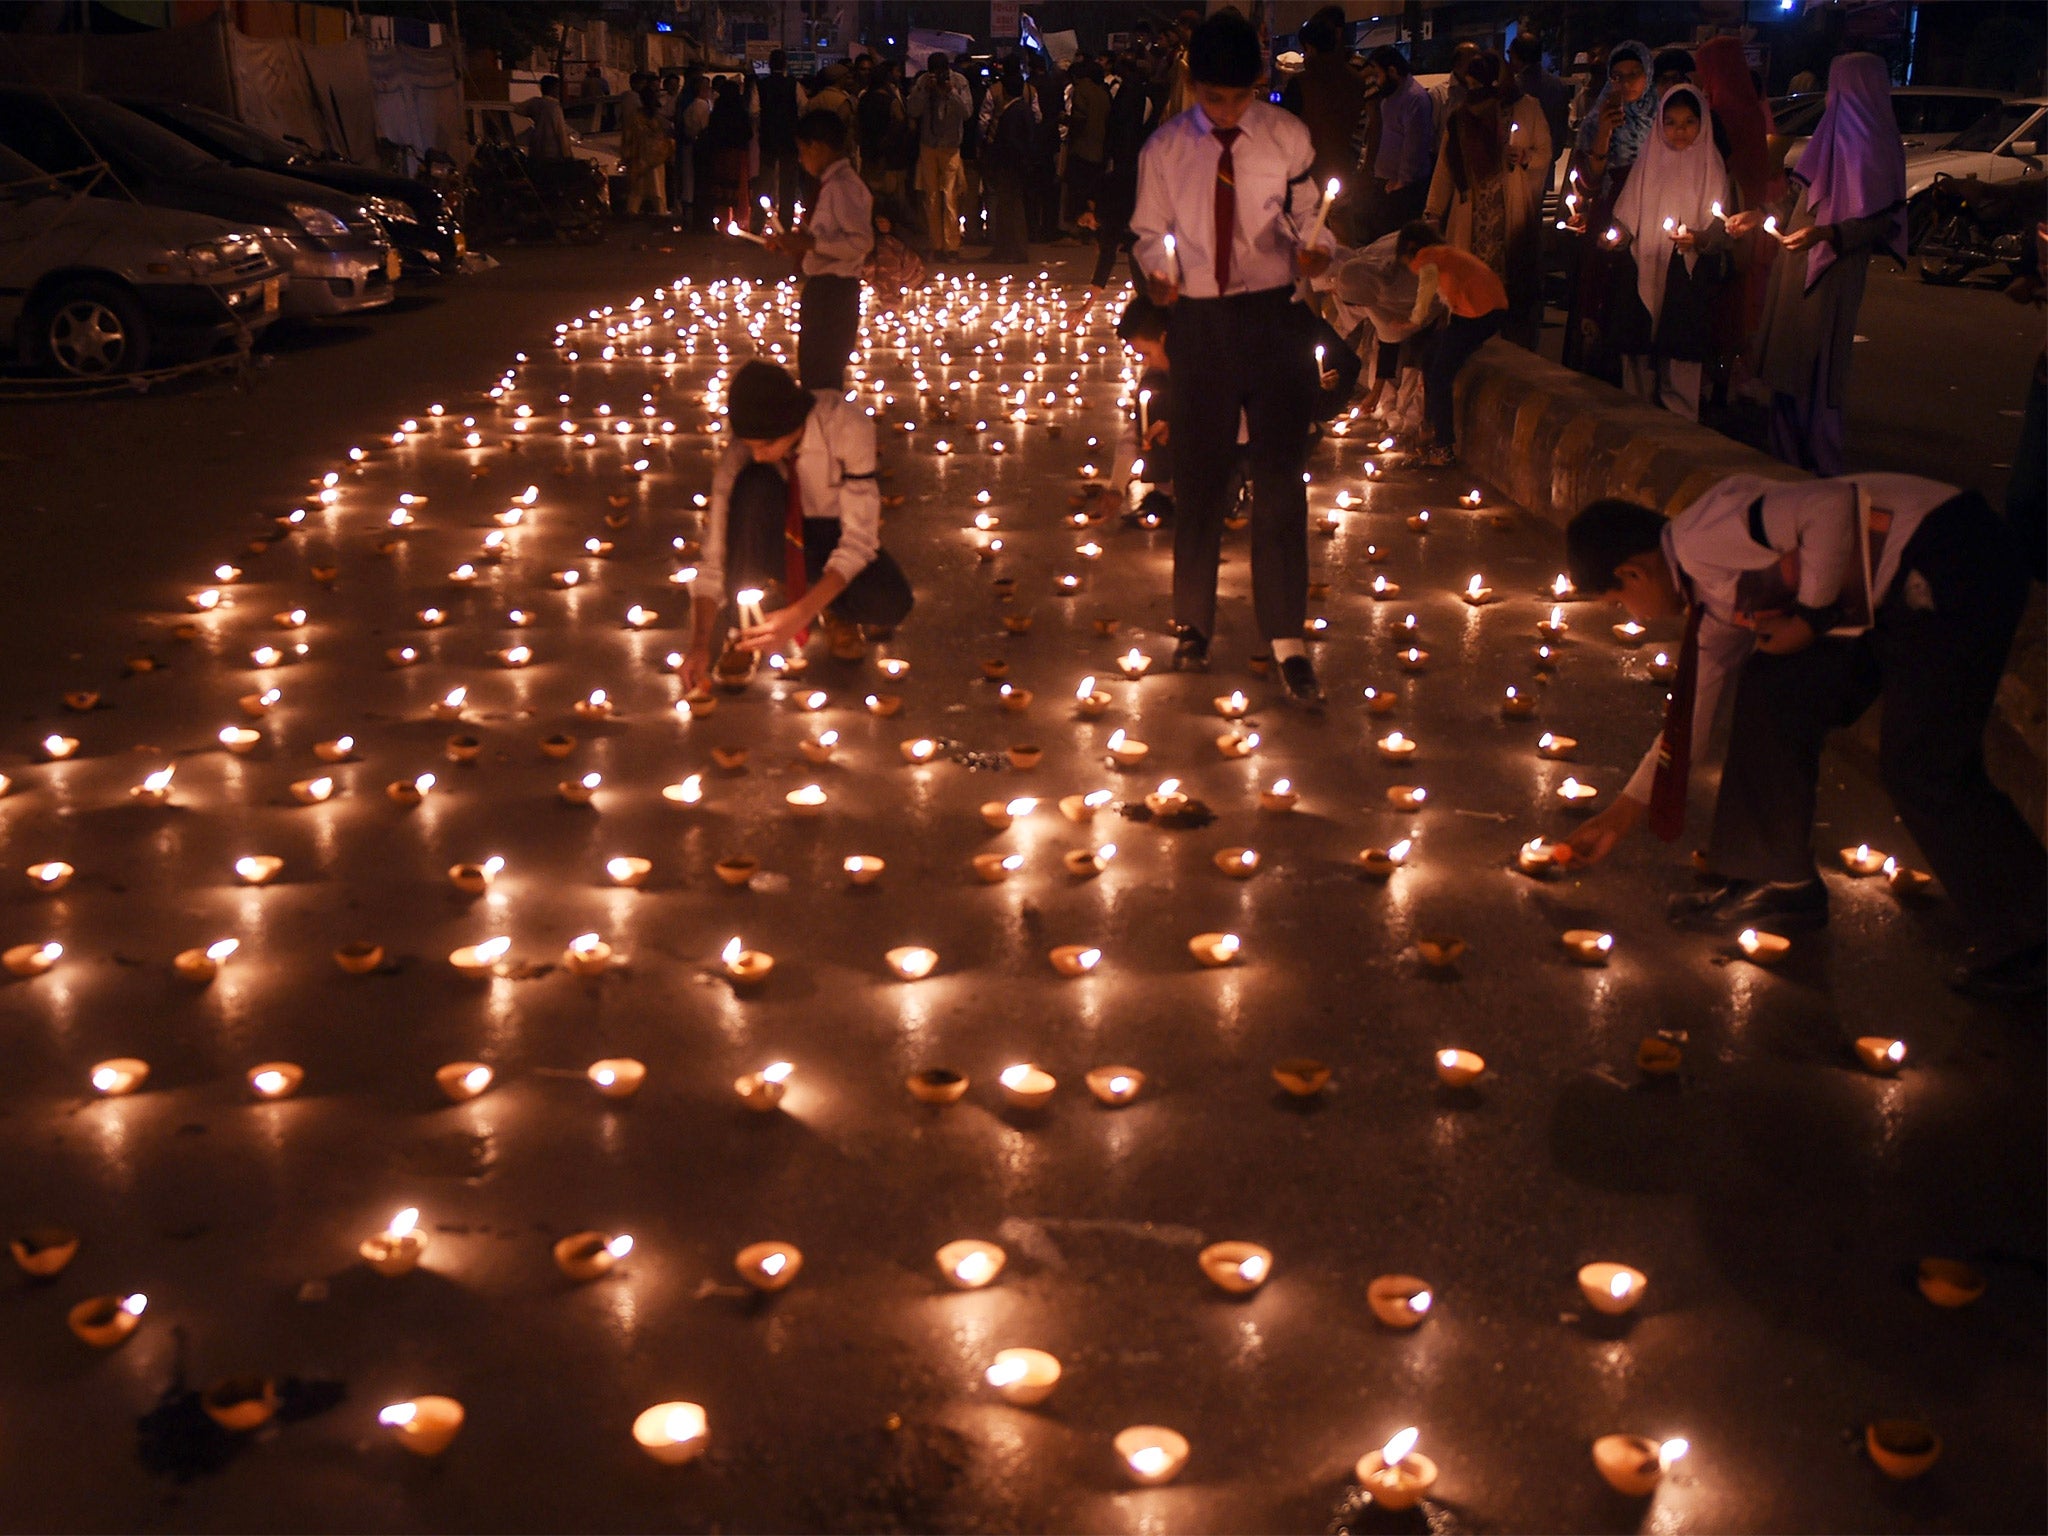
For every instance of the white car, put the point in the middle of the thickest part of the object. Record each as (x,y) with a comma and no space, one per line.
(96,287)
(2003,145)
(1928,116)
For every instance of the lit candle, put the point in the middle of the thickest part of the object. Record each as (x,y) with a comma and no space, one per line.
(616,1077)
(911,962)
(1881,1054)
(587,955)
(1573,793)
(969,1264)
(31,959)
(462,1081)
(1024,1377)
(1134,663)
(672,1433)
(1315,229)
(1631,1464)
(276,1079)
(119,1076)
(203,964)
(1238,863)
(1556,747)
(423,1425)
(1477,591)
(1399,1301)
(1612,1288)
(1762,948)
(688,792)
(580,791)
(480,959)
(397,1249)
(51,876)
(239,739)
(1237,1267)
(585,1256)
(155,788)
(745,967)
(1863,860)
(1395,1475)
(104,1321)
(339,750)
(1629,632)
(1115,1086)
(1152,1454)
(1588,946)
(1216,949)
(1395,747)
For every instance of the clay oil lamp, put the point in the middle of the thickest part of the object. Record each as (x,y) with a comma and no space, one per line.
(118,1076)
(104,1321)
(919,750)
(1554,627)
(397,1249)
(1237,744)
(1575,795)
(883,705)
(475,879)
(426,1426)
(409,792)
(202,965)
(480,960)
(587,955)
(937,1085)
(257,705)
(1116,1086)
(240,739)
(155,788)
(579,791)
(1905,882)
(1612,1288)
(1216,949)
(1082,808)
(969,1264)
(1237,1267)
(911,962)
(1663,667)
(616,1077)
(275,1079)
(1151,1453)
(1400,1301)
(1658,1057)
(1280,795)
(1902,1448)
(360,957)
(1862,860)
(862,868)
(1301,1077)
(312,791)
(339,750)
(1477,592)
(672,1433)
(1633,1465)
(1439,951)
(1380,863)
(1232,706)
(44,1251)
(745,967)
(1762,948)
(894,668)
(1024,1377)
(1014,700)
(1880,1054)
(995,868)
(1134,664)
(769,1266)
(449,705)
(52,875)
(1458,1069)
(819,749)
(587,1256)
(1124,751)
(1536,857)
(1379,703)
(997,815)
(31,959)
(736,869)
(1949,1282)
(1629,632)
(461,1081)
(1397,1475)
(1237,863)
(1588,946)
(1413,659)
(1516,705)
(1556,748)
(1026,1086)
(1167,799)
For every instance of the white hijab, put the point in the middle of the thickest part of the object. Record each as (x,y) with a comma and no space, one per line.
(1666,183)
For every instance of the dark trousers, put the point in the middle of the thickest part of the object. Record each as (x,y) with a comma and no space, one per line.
(1008,219)
(1244,353)
(1397,208)
(780,169)
(1934,657)
(757,523)
(1449,350)
(830,325)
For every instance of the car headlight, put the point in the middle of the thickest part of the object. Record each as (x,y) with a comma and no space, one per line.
(205,257)
(316,221)
(394,210)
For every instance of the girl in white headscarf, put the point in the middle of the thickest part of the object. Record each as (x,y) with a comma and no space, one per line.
(1669,217)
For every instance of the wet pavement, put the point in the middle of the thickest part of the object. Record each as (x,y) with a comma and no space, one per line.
(1776,1195)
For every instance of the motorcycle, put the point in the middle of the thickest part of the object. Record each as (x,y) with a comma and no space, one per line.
(1974,223)
(511,196)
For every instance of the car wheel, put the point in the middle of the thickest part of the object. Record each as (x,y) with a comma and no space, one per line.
(93,330)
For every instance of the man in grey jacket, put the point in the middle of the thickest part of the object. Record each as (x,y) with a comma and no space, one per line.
(940,105)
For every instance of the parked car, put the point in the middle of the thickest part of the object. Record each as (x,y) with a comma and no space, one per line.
(1928,115)
(2004,145)
(335,249)
(100,286)
(418,219)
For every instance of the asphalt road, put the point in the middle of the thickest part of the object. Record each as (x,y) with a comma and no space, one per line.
(1777,1196)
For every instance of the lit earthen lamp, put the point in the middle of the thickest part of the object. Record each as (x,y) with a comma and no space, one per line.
(1863,860)
(1116,1086)
(1124,751)
(1762,948)
(397,1249)
(1557,748)
(104,1321)
(1378,703)
(862,868)
(1903,881)
(423,1425)
(119,1076)
(1027,1086)
(1024,1377)
(1406,797)
(587,955)
(1082,808)
(1090,702)
(1588,946)
(617,1077)
(1397,1475)
(462,1081)
(1457,1068)
(276,1079)
(1237,1267)
(1152,1454)
(202,965)
(1216,949)
(745,967)
(672,1433)
(1612,1288)
(1881,1054)
(586,1256)
(1237,863)
(969,1264)
(764,1090)
(1517,706)
(1279,796)
(1477,592)
(1634,1465)
(1380,863)
(911,962)
(1075,959)
(480,960)
(768,1266)
(1400,1301)
(1303,1077)
(995,868)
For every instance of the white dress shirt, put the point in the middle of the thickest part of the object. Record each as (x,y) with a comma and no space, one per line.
(835,471)
(842,225)
(1811,557)
(1277,197)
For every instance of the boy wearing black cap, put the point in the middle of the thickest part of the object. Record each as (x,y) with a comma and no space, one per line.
(1815,598)
(795,520)
(1225,198)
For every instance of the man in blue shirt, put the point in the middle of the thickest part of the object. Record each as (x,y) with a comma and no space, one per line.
(1407,155)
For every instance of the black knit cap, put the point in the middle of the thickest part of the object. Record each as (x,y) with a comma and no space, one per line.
(1224,50)
(767,403)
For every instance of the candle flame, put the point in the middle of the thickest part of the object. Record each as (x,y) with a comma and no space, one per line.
(1622,1283)
(455,697)
(221,950)
(585,943)
(1675,1449)
(1088,959)
(1014,862)
(1748,940)
(1150,1460)
(731,953)
(975,1268)
(1420,1301)
(1023,805)
(493,950)
(1229,944)
(1400,850)
(619,1246)
(398,1415)
(476,1080)
(134,1305)
(105,1078)
(774,1264)
(1475,586)
(156,783)
(423,783)
(1005,1373)
(1896,1051)
(1396,1450)
(1253,1268)
(268,1082)
(403,1223)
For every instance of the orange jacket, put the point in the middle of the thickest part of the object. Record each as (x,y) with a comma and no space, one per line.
(1467,285)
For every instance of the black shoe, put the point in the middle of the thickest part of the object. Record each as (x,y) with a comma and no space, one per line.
(1770,904)
(1298,677)
(1155,508)
(1191,654)
(2021,973)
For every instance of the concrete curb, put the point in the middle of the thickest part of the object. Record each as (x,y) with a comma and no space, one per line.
(1554,440)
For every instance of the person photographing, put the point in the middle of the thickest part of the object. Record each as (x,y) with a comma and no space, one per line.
(795,517)
(1226,200)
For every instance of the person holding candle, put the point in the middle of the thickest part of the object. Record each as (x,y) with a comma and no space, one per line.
(1661,318)
(1818,598)
(1478,303)
(1846,202)
(1487,193)
(1611,135)
(836,240)
(794,511)
(1230,183)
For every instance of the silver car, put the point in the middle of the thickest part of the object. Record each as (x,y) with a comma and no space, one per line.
(94,287)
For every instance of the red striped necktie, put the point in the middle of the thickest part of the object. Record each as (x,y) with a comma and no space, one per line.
(1226,207)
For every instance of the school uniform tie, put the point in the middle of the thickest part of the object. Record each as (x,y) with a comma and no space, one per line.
(794,581)
(1667,787)
(1226,206)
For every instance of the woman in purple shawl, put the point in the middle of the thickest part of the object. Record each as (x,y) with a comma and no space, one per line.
(1845,202)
